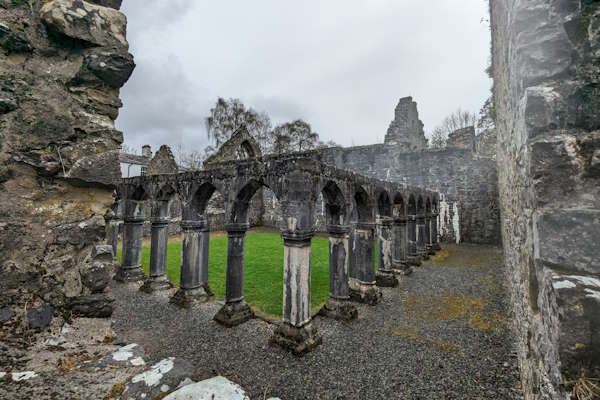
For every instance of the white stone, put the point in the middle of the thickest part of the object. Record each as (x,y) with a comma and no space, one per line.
(23,376)
(164,388)
(153,376)
(217,388)
(137,361)
(592,294)
(585,280)
(124,353)
(2,375)
(563,285)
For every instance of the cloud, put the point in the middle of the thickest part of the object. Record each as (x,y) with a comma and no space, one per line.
(341,65)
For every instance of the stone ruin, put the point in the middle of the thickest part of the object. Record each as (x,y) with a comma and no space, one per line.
(404,219)
(58,168)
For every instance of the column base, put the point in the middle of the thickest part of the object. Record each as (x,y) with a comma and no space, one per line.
(414,261)
(436,247)
(156,284)
(130,275)
(298,340)
(233,314)
(386,279)
(191,298)
(423,254)
(341,310)
(365,293)
(430,250)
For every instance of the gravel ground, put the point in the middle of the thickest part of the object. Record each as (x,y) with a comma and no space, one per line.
(442,334)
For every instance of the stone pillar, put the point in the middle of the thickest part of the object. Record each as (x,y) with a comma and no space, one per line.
(435,240)
(412,256)
(159,230)
(296,332)
(235,311)
(193,285)
(112,233)
(428,247)
(385,275)
(421,252)
(362,265)
(338,305)
(400,247)
(134,216)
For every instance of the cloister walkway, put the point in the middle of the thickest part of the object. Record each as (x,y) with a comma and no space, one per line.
(443,333)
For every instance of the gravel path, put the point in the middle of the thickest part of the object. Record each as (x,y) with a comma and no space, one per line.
(442,334)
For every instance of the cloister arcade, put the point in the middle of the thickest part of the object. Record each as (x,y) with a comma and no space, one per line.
(360,212)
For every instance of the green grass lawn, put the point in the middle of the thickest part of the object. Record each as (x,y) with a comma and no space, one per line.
(263,277)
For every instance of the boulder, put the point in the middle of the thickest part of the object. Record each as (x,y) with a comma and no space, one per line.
(99,305)
(13,41)
(217,388)
(87,22)
(6,313)
(126,356)
(97,277)
(39,318)
(112,67)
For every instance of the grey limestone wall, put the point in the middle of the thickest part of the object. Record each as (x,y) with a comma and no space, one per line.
(469,212)
(545,64)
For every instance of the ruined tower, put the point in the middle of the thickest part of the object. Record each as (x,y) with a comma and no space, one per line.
(406,129)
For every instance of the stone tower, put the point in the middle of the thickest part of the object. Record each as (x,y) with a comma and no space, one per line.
(406,130)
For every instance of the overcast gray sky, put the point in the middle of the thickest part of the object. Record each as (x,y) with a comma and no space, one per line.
(341,65)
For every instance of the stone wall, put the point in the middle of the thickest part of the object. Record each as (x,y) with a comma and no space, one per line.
(469,209)
(61,68)
(546,58)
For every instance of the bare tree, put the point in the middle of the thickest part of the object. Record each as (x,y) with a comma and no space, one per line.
(457,120)
(229,115)
(294,136)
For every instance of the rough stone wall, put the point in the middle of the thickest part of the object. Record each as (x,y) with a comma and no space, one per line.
(61,68)
(462,139)
(406,129)
(546,65)
(470,211)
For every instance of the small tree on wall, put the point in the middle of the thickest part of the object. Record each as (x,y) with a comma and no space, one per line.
(295,136)
(459,119)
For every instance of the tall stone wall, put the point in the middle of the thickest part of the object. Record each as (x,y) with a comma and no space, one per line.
(546,58)
(61,68)
(469,208)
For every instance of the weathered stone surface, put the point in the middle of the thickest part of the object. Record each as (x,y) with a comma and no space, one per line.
(161,378)
(12,40)
(462,139)
(113,67)
(98,305)
(546,99)
(97,278)
(39,318)
(163,162)
(6,313)
(298,340)
(90,23)
(217,388)
(116,4)
(406,130)
(129,355)
(234,314)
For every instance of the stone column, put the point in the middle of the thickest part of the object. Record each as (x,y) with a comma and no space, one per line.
(362,265)
(193,285)
(338,305)
(428,247)
(235,311)
(435,240)
(296,332)
(112,233)
(134,216)
(159,230)
(412,257)
(385,275)
(421,252)
(400,247)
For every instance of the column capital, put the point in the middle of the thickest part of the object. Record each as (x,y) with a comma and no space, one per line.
(159,221)
(400,220)
(134,219)
(338,230)
(237,228)
(364,225)
(385,221)
(411,218)
(200,225)
(297,238)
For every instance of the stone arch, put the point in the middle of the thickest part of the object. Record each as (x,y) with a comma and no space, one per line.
(399,206)
(241,145)
(384,204)
(363,207)
(138,193)
(411,208)
(196,208)
(427,205)
(420,205)
(241,203)
(247,150)
(335,204)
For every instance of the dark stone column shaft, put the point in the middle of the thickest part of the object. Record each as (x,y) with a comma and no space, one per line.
(412,256)
(427,230)
(133,231)
(421,249)
(235,311)
(435,240)
(193,285)
(399,258)
(385,275)
(362,265)
(159,241)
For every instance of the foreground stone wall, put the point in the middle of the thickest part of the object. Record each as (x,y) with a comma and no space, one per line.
(62,65)
(469,210)
(546,58)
